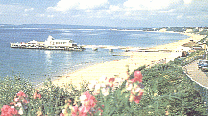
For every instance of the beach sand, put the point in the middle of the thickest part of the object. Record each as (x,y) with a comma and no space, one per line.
(118,68)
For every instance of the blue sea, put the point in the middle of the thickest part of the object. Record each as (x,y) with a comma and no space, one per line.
(37,65)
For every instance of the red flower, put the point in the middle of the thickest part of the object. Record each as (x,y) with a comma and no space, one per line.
(39,96)
(25,101)
(137,76)
(139,97)
(21,94)
(61,114)
(141,92)
(8,111)
(111,80)
(36,94)
(100,109)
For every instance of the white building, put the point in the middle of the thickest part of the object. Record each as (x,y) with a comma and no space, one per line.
(50,42)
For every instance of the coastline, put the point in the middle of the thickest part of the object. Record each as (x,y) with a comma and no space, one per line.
(118,68)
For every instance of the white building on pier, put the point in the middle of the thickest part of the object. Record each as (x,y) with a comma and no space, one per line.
(50,42)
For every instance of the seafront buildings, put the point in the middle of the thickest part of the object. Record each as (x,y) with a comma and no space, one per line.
(200,30)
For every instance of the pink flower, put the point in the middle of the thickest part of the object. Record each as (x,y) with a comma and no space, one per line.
(8,111)
(74,110)
(83,110)
(90,100)
(21,94)
(90,103)
(137,76)
(89,96)
(61,114)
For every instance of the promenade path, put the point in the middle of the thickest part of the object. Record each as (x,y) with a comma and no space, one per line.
(196,74)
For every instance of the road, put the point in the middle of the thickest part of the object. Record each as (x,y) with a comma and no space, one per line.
(196,74)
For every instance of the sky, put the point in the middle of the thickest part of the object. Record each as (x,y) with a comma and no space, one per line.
(113,13)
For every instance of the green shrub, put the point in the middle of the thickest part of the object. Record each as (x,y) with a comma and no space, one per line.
(9,86)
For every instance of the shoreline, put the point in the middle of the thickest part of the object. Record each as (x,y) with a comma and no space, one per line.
(117,68)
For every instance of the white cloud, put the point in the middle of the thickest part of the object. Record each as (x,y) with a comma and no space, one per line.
(50,16)
(30,9)
(40,15)
(25,14)
(114,8)
(65,5)
(149,4)
(168,11)
(179,16)
(187,1)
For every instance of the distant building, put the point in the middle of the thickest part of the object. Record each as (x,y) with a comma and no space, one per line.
(201,29)
(163,30)
(189,30)
(50,42)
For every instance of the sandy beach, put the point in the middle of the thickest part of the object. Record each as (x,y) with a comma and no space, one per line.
(118,68)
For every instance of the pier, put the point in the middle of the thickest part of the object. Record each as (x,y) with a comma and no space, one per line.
(42,46)
(49,44)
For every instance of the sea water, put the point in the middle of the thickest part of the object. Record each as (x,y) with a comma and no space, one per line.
(37,65)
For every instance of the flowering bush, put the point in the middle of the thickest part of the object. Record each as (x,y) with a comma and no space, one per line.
(167,92)
(106,90)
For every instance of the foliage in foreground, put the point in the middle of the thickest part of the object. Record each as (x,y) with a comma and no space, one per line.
(168,89)
(164,90)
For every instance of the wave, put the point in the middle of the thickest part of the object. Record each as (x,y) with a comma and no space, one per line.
(93,34)
(67,34)
(23,28)
(129,30)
